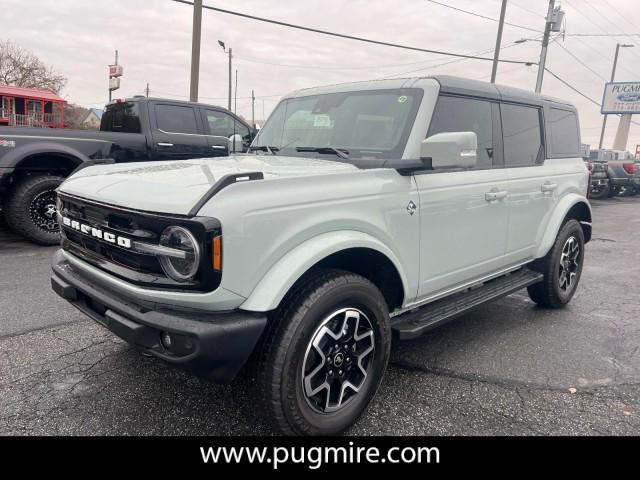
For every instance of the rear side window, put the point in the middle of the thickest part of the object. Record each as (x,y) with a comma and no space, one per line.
(176,119)
(121,117)
(457,114)
(563,130)
(521,133)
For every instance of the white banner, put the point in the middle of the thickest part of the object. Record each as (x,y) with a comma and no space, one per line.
(621,97)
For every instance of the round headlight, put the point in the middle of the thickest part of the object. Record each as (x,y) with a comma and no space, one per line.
(180,269)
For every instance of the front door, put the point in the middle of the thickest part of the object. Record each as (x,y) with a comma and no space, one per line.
(463,214)
(220,127)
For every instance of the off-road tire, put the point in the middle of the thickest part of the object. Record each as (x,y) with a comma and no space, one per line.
(278,360)
(18,205)
(549,293)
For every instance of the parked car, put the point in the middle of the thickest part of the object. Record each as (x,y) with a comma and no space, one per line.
(368,210)
(34,162)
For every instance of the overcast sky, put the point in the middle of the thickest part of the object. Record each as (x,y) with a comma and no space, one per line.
(153,37)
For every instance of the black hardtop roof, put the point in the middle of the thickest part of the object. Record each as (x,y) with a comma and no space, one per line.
(477,88)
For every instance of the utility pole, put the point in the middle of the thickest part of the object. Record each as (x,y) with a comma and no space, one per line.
(230,83)
(195,50)
(147,90)
(545,45)
(253,109)
(613,74)
(496,52)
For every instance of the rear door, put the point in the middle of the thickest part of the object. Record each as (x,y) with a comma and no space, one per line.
(177,132)
(463,213)
(532,183)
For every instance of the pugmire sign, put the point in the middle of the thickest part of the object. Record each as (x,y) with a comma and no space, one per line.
(621,97)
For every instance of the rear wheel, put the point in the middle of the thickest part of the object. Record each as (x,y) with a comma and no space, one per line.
(324,354)
(561,267)
(30,209)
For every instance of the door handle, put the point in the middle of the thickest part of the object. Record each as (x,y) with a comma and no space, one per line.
(548,187)
(219,147)
(495,195)
(165,144)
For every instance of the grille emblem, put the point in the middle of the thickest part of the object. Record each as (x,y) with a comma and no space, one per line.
(98,233)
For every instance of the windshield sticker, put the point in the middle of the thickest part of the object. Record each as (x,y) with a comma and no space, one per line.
(402,98)
(323,121)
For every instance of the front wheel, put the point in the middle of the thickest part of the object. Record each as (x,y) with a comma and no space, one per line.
(30,209)
(324,354)
(561,267)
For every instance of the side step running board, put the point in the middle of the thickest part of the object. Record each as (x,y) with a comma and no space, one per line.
(416,322)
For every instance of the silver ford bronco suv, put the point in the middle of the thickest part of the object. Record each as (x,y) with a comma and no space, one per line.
(362,212)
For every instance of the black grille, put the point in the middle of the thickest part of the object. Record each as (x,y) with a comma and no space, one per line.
(138,268)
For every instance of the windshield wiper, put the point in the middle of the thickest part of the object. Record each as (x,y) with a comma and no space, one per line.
(341,152)
(264,148)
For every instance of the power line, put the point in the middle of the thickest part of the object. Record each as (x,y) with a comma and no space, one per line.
(567,84)
(605,17)
(581,62)
(348,37)
(332,67)
(480,52)
(482,16)
(633,25)
(602,55)
(526,9)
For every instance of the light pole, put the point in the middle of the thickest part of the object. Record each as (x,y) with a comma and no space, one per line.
(613,74)
(224,48)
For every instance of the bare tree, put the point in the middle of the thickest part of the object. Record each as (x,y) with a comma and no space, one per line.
(22,68)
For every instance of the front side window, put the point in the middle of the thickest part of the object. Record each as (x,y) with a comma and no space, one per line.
(176,119)
(367,124)
(522,135)
(563,128)
(459,114)
(220,124)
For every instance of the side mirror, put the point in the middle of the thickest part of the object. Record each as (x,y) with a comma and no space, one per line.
(450,150)
(235,143)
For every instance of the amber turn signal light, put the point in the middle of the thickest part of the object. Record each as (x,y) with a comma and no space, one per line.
(217,253)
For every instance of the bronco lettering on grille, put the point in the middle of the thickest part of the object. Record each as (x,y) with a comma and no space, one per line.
(97,233)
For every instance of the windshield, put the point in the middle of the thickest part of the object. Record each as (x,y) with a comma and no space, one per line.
(364,124)
(121,117)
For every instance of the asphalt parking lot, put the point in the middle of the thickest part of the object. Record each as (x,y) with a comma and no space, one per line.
(509,368)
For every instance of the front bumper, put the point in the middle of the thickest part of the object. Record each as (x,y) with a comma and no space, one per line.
(214,345)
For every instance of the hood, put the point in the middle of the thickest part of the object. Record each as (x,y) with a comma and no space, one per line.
(176,186)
